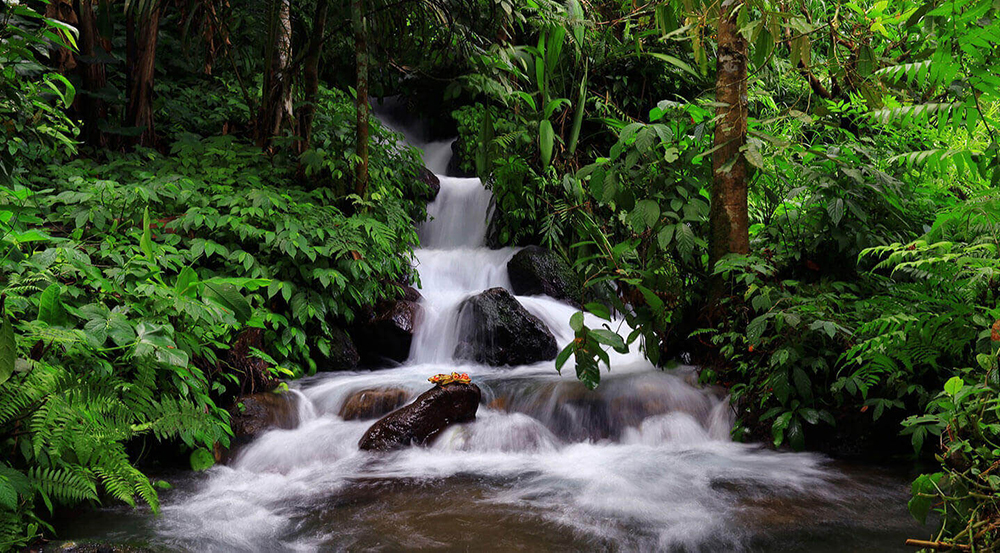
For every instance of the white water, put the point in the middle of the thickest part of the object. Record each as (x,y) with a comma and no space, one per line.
(643,463)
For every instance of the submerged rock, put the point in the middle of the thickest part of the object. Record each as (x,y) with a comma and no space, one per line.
(536,270)
(421,421)
(344,354)
(497,330)
(372,403)
(255,414)
(387,332)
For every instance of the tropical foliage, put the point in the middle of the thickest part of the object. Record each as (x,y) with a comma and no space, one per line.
(193,199)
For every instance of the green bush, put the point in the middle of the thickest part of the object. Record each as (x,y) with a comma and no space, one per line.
(127,278)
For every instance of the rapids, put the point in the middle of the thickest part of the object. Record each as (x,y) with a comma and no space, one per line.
(642,463)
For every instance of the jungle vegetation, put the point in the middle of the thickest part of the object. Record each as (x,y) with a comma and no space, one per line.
(800,196)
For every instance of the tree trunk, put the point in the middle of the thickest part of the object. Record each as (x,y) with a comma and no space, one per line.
(276,97)
(209,32)
(728,220)
(361,56)
(91,107)
(310,75)
(140,63)
(62,59)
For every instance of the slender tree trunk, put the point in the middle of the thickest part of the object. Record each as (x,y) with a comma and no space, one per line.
(276,100)
(209,33)
(92,108)
(61,58)
(140,64)
(361,56)
(728,219)
(310,75)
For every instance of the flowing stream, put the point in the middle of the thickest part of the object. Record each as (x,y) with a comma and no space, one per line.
(643,463)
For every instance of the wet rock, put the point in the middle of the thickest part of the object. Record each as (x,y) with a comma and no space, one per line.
(455,163)
(387,332)
(372,403)
(421,421)
(496,330)
(255,414)
(251,371)
(536,270)
(431,185)
(95,547)
(344,354)
(411,294)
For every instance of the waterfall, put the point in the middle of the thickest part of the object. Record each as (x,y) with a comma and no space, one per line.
(642,463)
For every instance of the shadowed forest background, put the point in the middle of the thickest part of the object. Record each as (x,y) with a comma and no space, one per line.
(799,197)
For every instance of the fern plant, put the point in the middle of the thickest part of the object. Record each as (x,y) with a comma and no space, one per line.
(957,75)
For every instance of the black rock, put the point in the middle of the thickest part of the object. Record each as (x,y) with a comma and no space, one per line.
(372,403)
(387,332)
(344,354)
(421,421)
(454,164)
(536,270)
(254,414)
(497,330)
(431,183)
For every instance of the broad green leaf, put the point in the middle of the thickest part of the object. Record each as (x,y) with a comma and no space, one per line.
(762,48)
(685,239)
(229,298)
(564,356)
(598,310)
(648,212)
(546,141)
(157,340)
(185,280)
(8,347)
(146,242)
(954,385)
(922,489)
(202,459)
(796,435)
(50,307)
(610,338)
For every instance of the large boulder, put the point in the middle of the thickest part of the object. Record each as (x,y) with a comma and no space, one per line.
(372,403)
(497,330)
(421,421)
(254,414)
(387,331)
(344,354)
(536,270)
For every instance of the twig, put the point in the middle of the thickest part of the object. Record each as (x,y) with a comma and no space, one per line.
(937,545)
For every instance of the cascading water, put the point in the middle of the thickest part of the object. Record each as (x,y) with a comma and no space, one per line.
(642,463)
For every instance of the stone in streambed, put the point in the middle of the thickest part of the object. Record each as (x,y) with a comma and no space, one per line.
(421,421)
(536,270)
(497,330)
(387,331)
(344,354)
(372,403)
(252,415)
(431,182)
